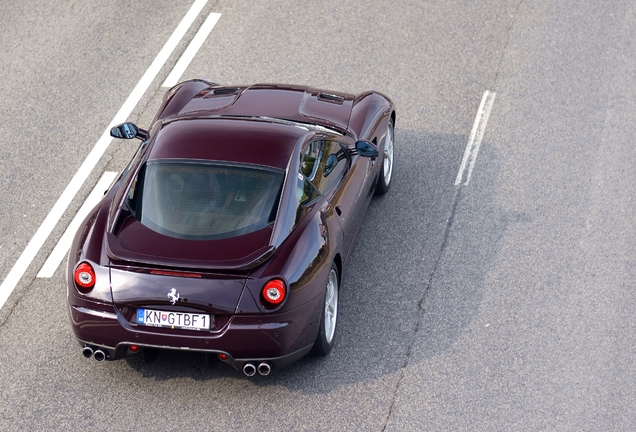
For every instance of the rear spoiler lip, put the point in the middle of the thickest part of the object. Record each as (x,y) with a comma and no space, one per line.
(117,253)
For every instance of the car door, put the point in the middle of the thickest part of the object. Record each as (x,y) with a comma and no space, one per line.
(324,166)
(351,198)
(341,180)
(330,170)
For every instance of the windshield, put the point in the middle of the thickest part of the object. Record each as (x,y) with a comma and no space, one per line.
(201,201)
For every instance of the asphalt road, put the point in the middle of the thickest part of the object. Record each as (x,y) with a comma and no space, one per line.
(502,304)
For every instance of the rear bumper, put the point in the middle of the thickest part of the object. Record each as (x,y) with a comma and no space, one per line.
(279,339)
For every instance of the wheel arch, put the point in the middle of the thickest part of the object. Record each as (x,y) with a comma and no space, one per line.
(369,110)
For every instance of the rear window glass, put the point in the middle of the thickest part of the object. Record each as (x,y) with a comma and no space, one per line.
(207,201)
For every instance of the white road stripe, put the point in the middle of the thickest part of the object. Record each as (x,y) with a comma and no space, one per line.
(476,136)
(192,50)
(43,232)
(63,245)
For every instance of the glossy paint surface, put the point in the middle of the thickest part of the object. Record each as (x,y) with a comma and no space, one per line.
(295,103)
(240,141)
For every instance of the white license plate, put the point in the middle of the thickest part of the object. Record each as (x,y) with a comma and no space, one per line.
(174,320)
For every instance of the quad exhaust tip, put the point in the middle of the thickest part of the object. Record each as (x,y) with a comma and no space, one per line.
(99,355)
(249,369)
(87,352)
(264,369)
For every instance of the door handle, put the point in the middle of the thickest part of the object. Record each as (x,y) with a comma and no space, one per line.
(338,211)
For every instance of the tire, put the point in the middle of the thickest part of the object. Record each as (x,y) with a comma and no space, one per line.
(386,174)
(329,316)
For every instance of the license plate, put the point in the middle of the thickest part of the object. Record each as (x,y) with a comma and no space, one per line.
(173,320)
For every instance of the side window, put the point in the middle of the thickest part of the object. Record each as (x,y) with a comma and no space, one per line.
(132,198)
(310,157)
(323,163)
(333,165)
(305,191)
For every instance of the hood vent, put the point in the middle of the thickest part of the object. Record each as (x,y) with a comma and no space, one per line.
(332,98)
(223,91)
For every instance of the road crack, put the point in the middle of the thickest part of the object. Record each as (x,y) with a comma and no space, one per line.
(505,47)
(420,309)
(445,238)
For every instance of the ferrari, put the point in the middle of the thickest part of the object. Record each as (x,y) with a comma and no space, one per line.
(229,230)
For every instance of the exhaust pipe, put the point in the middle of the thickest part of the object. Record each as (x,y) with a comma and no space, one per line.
(87,352)
(264,368)
(100,355)
(249,369)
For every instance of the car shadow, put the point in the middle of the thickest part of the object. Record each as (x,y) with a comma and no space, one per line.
(407,292)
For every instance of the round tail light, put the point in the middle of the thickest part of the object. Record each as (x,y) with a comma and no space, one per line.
(84,277)
(274,292)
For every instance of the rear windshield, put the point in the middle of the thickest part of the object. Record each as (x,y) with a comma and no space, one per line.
(201,201)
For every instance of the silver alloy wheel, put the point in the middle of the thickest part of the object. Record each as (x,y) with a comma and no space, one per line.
(331,306)
(388,155)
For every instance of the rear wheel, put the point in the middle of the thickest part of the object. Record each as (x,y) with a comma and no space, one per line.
(384,181)
(328,320)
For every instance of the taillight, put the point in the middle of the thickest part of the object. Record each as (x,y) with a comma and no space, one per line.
(84,277)
(273,292)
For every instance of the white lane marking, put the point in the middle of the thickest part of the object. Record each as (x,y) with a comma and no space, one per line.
(64,244)
(43,232)
(476,136)
(187,56)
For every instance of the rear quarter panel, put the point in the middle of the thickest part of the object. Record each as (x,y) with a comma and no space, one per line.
(88,246)
(303,261)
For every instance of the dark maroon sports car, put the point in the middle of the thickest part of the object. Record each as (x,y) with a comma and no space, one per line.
(229,230)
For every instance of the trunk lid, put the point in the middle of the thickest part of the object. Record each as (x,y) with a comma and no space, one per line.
(166,289)
(147,266)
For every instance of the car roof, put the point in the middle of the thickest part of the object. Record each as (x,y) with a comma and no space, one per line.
(236,140)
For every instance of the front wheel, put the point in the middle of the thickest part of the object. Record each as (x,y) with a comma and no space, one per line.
(384,180)
(327,330)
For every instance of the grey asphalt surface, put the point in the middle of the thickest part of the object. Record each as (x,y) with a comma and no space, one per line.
(504,304)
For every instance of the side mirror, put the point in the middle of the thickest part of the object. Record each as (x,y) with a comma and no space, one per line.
(128,131)
(366,149)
